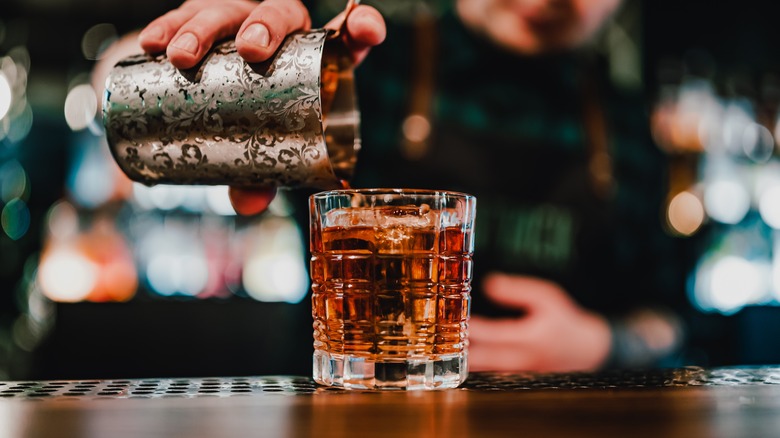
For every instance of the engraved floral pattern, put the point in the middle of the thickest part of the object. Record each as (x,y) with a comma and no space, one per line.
(226,122)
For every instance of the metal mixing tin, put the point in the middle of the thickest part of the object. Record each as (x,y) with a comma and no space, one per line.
(291,121)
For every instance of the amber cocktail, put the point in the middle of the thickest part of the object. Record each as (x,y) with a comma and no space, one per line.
(391,281)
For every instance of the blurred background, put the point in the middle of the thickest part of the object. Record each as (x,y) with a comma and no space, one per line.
(100,277)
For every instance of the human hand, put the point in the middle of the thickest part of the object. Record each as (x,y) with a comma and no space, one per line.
(554,335)
(187,33)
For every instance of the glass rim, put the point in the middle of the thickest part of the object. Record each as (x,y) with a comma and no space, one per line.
(395,191)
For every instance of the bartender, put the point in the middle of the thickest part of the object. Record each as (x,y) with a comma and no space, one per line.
(506,100)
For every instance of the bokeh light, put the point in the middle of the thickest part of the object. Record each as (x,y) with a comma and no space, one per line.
(769,207)
(281,206)
(685,213)
(117,281)
(727,284)
(218,201)
(165,197)
(20,57)
(777,130)
(13,181)
(416,128)
(275,277)
(757,143)
(767,193)
(5,125)
(776,268)
(173,258)
(726,200)
(274,269)
(15,219)
(80,106)
(684,118)
(67,275)
(16,116)
(62,221)
(91,180)
(738,116)
(142,196)
(194,199)
(5,95)
(20,125)
(88,261)
(97,39)
(177,272)
(736,283)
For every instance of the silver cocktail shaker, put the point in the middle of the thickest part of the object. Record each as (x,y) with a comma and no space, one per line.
(290,121)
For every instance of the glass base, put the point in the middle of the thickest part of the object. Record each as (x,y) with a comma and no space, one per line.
(353,372)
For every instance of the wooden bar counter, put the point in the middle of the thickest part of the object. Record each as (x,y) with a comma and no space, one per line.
(682,402)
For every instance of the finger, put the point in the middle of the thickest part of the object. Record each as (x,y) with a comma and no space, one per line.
(523,293)
(249,202)
(154,38)
(495,358)
(267,25)
(496,331)
(195,37)
(365,29)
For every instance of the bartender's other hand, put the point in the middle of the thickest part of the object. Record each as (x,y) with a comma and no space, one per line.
(188,32)
(554,335)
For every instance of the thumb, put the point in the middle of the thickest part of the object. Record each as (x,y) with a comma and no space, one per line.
(522,292)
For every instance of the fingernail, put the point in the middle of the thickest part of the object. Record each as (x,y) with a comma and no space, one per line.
(257,34)
(187,42)
(152,33)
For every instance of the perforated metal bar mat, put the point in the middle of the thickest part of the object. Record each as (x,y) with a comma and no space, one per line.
(287,385)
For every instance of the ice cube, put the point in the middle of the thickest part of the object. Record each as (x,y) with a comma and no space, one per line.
(388,216)
(404,229)
(412,216)
(350,217)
